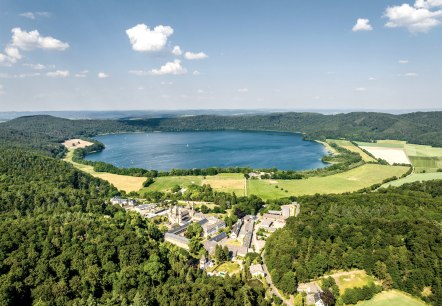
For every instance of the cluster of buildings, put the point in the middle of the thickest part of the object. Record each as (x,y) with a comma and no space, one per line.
(150,210)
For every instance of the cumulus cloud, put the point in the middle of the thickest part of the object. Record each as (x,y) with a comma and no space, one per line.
(58,74)
(362,24)
(102,75)
(33,40)
(174,68)
(427,3)
(35,15)
(177,51)
(195,56)
(403,61)
(196,72)
(143,39)
(421,17)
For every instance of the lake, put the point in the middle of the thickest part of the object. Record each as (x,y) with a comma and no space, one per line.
(187,150)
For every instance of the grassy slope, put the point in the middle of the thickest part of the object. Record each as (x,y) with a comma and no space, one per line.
(121,182)
(346,144)
(227,182)
(355,179)
(392,298)
(415,177)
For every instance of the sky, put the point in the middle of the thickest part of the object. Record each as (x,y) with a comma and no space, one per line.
(230,54)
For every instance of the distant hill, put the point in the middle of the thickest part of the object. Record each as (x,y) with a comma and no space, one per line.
(45,132)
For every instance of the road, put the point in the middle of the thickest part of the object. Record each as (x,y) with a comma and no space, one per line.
(272,286)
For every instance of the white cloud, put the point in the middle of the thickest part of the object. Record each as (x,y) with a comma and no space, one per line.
(427,3)
(1,90)
(360,89)
(58,74)
(243,90)
(195,56)
(372,79)
(143,39)
(200,91)
(177,51)
(13,53)
(410,74)
(33,40)
(34,15)
(196,72)
(417,18)
(174,68)
(403,61)
(102,75)
(362,24)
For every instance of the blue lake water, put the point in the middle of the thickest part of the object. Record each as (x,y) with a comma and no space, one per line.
(187,150)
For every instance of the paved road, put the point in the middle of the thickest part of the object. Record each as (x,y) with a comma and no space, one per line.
(272,286)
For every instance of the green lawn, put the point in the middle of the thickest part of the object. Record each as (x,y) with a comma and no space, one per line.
(352,180)
(392,298)
(228,267)
(351,279)
(415,177)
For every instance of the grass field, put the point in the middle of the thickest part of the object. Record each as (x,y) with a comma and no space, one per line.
(392,298)
(383,144)
(121,182)
(351,147)
(352,180)
(415,177)
(227,182)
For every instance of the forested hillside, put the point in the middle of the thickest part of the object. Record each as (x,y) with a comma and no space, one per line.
(62,244)
(393,234)
(46,132)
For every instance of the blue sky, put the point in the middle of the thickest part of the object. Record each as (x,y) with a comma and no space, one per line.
(109,55)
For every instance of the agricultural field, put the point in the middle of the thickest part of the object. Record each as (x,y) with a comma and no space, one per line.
(392,298)
(352,180)
(121,182)
(388,151)
(346,144)
(226,182)
(415,177)
(423,158)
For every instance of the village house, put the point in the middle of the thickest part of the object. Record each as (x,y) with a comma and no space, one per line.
(257,270)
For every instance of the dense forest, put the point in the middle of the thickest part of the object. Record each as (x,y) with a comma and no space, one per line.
(394,234)
(62,244)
